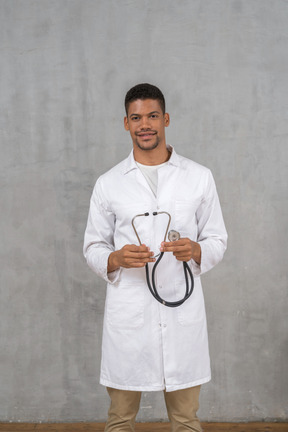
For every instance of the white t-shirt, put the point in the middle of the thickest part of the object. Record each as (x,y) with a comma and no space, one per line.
(150,173)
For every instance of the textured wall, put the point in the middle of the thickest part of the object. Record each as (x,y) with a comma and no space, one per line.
(65,67)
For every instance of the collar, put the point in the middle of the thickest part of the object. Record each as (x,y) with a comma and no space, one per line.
(131,163)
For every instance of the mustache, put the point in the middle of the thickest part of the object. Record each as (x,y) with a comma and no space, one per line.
(145,130)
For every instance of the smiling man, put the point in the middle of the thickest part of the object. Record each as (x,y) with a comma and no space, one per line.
(146,123)
(148,346)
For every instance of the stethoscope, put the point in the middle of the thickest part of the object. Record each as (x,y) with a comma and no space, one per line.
(172,236)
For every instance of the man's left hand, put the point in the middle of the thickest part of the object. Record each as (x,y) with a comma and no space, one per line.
(183,249)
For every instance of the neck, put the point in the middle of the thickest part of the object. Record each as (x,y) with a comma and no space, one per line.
(151,157)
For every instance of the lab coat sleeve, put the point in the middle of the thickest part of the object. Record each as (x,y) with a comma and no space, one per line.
(212,235)
(99,236)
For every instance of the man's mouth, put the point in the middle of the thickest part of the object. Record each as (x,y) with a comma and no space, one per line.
(146,134)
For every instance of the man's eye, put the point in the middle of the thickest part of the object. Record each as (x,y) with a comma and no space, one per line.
(134,118)
(154,115)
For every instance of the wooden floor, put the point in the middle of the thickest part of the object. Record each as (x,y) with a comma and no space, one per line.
(141,427)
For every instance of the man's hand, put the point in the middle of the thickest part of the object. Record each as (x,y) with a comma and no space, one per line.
(183,249)
(130,256)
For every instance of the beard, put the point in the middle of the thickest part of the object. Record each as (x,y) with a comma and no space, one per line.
(147,147)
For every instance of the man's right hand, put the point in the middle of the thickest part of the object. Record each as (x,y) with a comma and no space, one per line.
(130,256)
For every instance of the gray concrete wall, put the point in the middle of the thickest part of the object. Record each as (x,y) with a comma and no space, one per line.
(65,68)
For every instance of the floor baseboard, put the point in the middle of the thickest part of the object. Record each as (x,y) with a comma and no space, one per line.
(142,427)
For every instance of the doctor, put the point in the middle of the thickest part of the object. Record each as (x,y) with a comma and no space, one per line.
(147,346)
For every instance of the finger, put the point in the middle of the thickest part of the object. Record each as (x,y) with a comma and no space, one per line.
(174,249)
(183,258)
(180,242)
(139,258)
(135,248)
(142,260)
(182,253)
(133,265)
(138,255)
(137,264)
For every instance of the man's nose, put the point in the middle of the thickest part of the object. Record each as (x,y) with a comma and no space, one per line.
(145,123)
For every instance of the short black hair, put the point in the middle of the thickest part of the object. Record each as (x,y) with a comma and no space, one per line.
(144,91)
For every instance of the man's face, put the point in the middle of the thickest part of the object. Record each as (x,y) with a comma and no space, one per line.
(146,123)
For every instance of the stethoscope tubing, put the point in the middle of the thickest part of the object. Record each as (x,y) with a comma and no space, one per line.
(152,287)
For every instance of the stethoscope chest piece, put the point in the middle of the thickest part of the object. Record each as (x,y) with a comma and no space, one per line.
(173,235)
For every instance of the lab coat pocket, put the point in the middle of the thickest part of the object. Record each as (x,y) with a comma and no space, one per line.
(192,310)
(125,306)
(185,218)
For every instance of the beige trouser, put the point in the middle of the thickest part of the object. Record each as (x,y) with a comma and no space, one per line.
(182,406)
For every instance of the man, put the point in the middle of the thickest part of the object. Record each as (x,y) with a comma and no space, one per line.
(148,346)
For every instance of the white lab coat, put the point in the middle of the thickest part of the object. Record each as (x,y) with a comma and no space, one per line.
(147,346)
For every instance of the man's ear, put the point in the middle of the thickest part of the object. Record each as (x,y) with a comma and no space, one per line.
(166,119)
(126,124)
